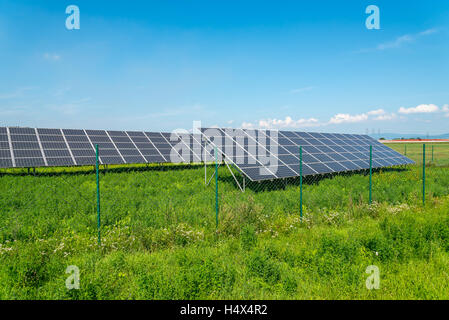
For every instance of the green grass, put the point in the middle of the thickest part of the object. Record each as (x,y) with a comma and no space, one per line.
(415,151)
(159,239)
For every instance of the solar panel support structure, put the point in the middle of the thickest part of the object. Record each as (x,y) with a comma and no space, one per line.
(370,174)
(205,169)
(242,189)
(229,168)
(300,183)
(212,176)
(97,169)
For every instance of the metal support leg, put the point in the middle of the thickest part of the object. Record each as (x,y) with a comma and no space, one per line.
(212,176)
(236,181)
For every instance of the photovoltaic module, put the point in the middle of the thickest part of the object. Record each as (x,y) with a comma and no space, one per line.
(258,154)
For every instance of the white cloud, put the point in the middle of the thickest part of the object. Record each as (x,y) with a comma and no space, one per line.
(428,31)
(176,112)
(16,94)
(52,56)
(14,111)
(289,122)
(377,112)
(386,117)
(377,115)
(247,125)
(422,108)
(61,91)
(396,43)
(299,90)
(401,40)
(71,108)
(445,109)
(347,118)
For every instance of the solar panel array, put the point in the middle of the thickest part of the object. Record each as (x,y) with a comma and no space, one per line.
(29,147)
(259,154)
(263,155)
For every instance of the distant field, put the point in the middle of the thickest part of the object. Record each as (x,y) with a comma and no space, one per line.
(415,151)
(159,239)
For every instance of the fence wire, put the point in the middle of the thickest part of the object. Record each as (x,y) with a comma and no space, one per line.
(49,216)
(38,203)
(162,204)
(159,205)
(336,197)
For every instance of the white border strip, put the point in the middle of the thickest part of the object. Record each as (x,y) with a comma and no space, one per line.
(120,154)
(148,138)
(93,147)
(68,147)
(135,146)
(40,146)
(13,159)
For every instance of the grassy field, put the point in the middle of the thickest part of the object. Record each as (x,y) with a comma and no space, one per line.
(415,151)
(159,238)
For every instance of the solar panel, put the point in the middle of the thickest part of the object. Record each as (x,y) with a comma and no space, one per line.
(83,152)
(263,155)
(5,149)
(26,147)
(29,147)
(55,147)
(259,154)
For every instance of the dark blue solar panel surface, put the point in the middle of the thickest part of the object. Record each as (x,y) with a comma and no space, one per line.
(29,147)
(259,154)
(264,155)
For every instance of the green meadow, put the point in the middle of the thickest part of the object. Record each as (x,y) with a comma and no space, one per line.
(414,151)
(159,238)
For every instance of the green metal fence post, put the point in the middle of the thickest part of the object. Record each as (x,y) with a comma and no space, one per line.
(216,187)
(405,149)
(300,183)
(424,174)
(97,167)
(370,174)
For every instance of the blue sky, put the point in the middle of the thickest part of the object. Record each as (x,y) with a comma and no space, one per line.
(159,65)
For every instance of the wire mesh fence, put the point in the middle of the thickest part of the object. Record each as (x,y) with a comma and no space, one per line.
(37,203)
(158,204)
(100,218)
(152,205)
(344,195)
